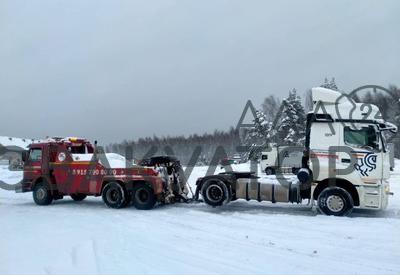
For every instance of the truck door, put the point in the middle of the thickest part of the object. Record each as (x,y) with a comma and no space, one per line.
(364,140)
(33,165)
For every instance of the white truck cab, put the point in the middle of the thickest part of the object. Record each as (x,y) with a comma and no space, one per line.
(347,150)
(285,159)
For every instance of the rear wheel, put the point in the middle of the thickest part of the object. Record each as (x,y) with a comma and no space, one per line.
(114,195)
(78,197)
(143,196)
(335,201)
(42,194)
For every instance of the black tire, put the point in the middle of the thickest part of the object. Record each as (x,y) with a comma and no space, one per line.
(215,192)
(269,171)
(143,196)
(335,201)
(78,197)
(114,195)
(42,194)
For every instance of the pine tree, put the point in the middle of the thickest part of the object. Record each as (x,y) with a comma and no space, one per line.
(270,107)
(291,127)
(260,135)
(330,84)
(325,84)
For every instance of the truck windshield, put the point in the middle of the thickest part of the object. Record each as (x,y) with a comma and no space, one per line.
(35,155)
(79,149)
(364,137)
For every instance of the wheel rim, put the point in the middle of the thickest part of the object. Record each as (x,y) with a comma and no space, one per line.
(268,172)
(335,203)
(214,193)
(113,196)
(41,193)
(142,195)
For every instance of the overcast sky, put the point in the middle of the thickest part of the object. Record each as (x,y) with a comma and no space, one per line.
(115,70)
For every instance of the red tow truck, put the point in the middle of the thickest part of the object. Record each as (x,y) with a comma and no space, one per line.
(59,167)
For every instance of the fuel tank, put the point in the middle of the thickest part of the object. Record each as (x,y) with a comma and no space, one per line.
(251,189)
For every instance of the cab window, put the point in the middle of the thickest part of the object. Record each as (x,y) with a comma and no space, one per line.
(35,155)
(264,157)
(80,149)
(365,137)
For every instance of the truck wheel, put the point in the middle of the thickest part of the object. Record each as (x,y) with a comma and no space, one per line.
(215,192)
(78,197)
(42,194)
(114,195)
(335,201)
(269,171)
(143,196)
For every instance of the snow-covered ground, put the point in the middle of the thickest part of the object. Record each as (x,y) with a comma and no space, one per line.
(239,238)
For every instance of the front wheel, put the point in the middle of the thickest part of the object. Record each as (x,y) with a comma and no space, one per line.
(143,196)
(335,201)
(42,194)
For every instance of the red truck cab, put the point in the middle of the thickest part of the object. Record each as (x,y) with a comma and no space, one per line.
(60,167)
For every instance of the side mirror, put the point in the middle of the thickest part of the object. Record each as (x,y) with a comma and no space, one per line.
(24,156)
(388,127)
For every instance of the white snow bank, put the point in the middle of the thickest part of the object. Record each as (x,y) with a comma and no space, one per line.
(10,177)
(18,142)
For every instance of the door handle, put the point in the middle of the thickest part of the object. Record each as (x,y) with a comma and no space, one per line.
(346,160)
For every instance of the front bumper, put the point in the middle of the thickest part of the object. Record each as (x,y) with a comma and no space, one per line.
(373,197)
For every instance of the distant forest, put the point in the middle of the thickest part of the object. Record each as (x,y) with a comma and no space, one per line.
(204,146)
(279,120)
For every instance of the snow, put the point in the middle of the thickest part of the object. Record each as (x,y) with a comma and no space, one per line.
(239,238)
(18,142)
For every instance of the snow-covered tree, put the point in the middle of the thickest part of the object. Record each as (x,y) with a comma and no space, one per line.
(271,106)
(330,84)
(291,126)
(261,134)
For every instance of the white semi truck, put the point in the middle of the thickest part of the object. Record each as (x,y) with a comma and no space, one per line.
(281,159)
(345,164)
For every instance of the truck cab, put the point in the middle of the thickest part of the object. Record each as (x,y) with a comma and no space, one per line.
(285,159)
(347,153)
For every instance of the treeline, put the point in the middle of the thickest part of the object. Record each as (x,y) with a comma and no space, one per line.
(182,147)
(279,120)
